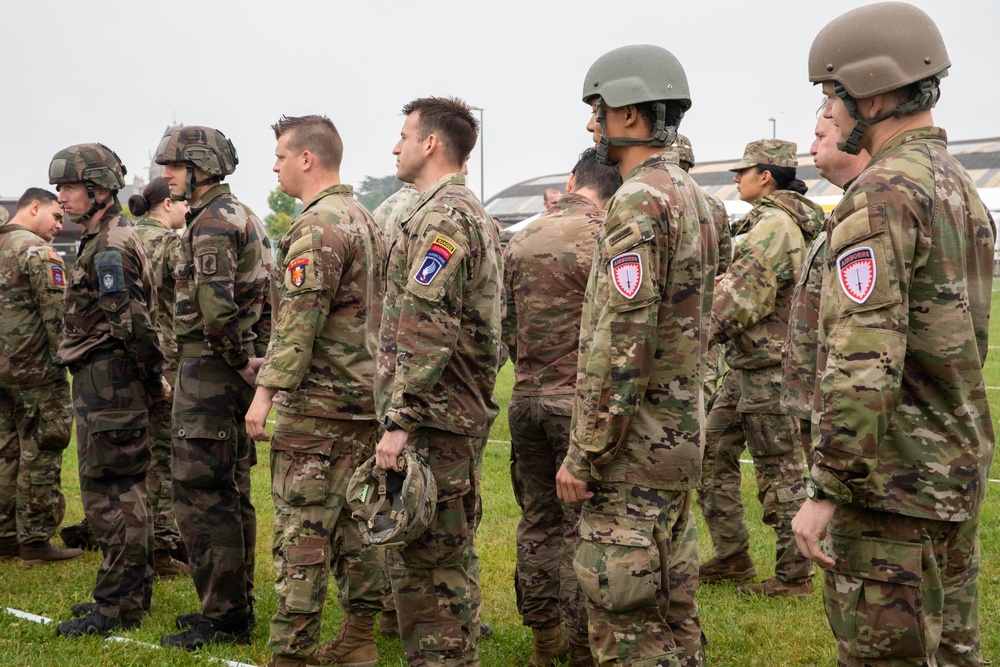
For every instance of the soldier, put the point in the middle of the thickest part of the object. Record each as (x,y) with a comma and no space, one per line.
(395,208)
(158,215)
(750,309)
(546,266)
(635,441)
(551,198)
(905,437)
(110,344)
(437,364)
(220,293)
(319,370)
(35,411)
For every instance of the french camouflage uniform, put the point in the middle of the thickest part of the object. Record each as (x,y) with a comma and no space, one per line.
(546,267)
(221,288)
(438,357)
(161,247)
(110,345)
(35,409)
(320,359)
(636,430)
(750,308)
(905,437)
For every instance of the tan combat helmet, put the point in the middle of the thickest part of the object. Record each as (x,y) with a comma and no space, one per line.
(682,146)
(203,147)
(393,508)
(90,164)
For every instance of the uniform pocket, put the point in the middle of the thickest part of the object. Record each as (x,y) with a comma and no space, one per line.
(304,565)
(203,450)
(117,445)
(769,434)
(617,564)
(300,478)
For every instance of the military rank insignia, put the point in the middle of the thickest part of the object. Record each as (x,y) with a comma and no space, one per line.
(58,277)
(626,273)
(297,271)
(108,277)
(436,259)
(856,272)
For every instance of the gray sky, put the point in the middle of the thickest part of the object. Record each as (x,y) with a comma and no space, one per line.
(120,71)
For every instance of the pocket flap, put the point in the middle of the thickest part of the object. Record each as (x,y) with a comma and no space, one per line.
(202,425)
(117,420)
(614,529)
(878,559)
(453,480)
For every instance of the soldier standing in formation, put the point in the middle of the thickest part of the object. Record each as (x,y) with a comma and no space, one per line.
(222,285)
(35,409)
(320,371)
(439,352)
(110,343)
(546,267)
(636,430)
(905,438)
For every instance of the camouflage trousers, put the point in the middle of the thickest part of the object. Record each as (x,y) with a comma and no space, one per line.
(544,582)
(312,460)
(904,591)
(435,579)
(637,564)
(34,430)
(159,482)
(210,462)
(112,436)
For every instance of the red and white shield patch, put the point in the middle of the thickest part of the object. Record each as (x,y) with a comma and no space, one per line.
(626,273)
(856,272)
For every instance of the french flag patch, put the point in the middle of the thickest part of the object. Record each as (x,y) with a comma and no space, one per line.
(436,259)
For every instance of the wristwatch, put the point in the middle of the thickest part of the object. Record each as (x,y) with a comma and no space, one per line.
(814,491)
(389,424)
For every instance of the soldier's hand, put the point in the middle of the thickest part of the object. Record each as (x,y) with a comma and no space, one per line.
(260,408)
(249,374)
(389,448)
(569,488)
(809,526)
(166,388)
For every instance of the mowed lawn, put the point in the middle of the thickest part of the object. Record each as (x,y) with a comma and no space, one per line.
(741,631)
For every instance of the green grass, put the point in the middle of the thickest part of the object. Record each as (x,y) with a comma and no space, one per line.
(740,631)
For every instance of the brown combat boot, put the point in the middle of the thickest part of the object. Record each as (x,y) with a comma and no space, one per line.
(79,536)
(9,548)
(389,623)
(354,645)
(737,567)
(775,588)
(551,646)
(287,661)
(580,656)
(43,553)
(166,566)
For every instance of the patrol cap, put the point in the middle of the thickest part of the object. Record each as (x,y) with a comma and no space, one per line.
(682,146)
(88,162)
(773,152)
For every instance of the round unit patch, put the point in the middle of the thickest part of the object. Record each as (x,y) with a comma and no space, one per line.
(856,273)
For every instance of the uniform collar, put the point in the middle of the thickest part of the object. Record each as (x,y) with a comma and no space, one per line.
(662,157)
(455,178)
(201,202)
(341,189)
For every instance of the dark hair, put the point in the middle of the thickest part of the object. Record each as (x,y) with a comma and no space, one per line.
(30,195)
(784,178)
(601,178)
(316,134)
(673,116)
(450,118)
(151,197)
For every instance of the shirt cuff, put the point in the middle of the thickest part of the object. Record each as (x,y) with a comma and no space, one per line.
(407,418)
(836,491)
(580,466)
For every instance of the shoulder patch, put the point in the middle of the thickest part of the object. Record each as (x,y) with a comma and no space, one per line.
(57,275)
(441,250)
(54,255)
(856,273)
(208,262)
(626,273)
(297,271)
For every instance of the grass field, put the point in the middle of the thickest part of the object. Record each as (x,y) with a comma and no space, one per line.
(740,631)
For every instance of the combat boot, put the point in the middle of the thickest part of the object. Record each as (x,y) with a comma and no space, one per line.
(166,566)
(580,656)
(206,632)
(287,661)
(737,567)
(551,646)
(79,536)
(44,553)
(775,588)
(353,646)
(95,623)
(9,548)
(389,623)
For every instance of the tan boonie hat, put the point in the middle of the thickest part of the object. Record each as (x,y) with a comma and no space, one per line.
(774,152)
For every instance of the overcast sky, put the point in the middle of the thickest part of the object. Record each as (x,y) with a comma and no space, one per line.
(120,71)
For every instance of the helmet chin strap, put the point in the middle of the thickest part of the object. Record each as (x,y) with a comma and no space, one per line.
(95,205)
(925,98)
(190,184)
(662,134)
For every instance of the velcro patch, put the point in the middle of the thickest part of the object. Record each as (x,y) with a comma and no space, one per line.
(109,278)
(856,273)
(58,277)
(297,271)
(55,256)
(626,273)
(436,259)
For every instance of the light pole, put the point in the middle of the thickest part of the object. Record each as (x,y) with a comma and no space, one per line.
(482,156)
(774,128)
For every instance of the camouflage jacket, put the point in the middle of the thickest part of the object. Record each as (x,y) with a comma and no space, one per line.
(723,236)
(393,210)
(31,309)
(904,421)
(798,360)
(439,343)
(111,300)
(752,299)
(161,247)
(328,310)
(639,406)
(546,267)
(222,285)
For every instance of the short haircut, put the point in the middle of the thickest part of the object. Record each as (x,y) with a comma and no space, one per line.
(30,195)
(673,116)
(451,119)
(316,134)
(601,178)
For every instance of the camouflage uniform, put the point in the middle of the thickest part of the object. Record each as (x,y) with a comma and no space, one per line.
(637,418)
(110,345)
(439,351)
(715,363)
(329,304)
(393,210)
(751,309)
(221,288)
(161,247)
(905,438)
(546,266)
(35,410)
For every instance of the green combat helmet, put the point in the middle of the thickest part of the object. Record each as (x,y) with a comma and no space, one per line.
(633,75)
(393,508)
(203,147)
(875,49)
(91,164)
